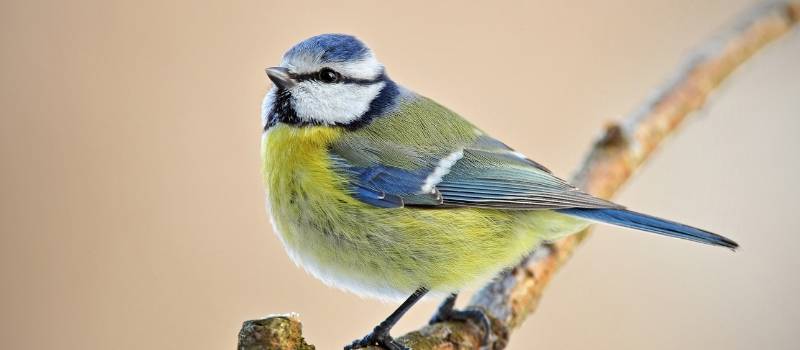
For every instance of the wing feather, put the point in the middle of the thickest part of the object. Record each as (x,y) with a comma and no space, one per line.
(502,179)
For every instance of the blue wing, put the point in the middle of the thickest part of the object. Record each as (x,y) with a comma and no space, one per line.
(386,186)
(507,180)
(486,174)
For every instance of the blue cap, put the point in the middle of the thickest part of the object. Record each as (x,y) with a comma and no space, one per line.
(330,48)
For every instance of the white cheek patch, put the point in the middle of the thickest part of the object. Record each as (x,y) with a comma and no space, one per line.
(333,103)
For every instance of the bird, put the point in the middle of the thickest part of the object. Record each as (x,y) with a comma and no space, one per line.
(383,192)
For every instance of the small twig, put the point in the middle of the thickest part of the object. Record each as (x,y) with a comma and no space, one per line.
(623,148)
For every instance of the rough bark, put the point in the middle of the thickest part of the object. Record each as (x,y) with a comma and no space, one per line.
(614,157)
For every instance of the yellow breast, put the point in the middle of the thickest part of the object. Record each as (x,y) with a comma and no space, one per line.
(296,158)
(284,145)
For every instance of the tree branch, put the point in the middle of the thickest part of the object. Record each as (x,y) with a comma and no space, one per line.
(623,148)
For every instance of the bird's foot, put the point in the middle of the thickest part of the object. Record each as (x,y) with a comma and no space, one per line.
(379,337)
(446,312)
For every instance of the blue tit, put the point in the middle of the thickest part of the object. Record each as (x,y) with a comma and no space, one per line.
(381,191)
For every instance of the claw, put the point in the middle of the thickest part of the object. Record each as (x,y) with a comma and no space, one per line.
(446,312)
(378,337)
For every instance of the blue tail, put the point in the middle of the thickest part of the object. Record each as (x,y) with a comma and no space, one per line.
(634,220)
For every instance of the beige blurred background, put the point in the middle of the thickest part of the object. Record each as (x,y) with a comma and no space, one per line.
(131,207)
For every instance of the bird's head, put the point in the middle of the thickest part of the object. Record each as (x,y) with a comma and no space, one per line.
(328,79)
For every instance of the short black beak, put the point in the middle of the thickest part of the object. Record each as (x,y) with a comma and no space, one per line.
(280,77)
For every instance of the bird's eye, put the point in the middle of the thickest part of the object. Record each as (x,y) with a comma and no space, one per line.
(327,75)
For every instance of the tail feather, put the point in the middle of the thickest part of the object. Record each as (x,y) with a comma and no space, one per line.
(644,222)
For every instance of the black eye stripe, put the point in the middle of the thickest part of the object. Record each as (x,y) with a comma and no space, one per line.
(344,79)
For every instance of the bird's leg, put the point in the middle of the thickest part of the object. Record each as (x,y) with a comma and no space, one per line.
(446,312)
(380,335)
